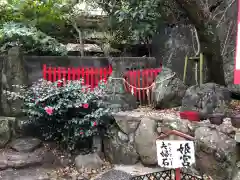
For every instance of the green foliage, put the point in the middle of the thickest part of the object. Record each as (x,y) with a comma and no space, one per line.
(33,12)
(29,38)
(67,112)
(133,21)
(30,23)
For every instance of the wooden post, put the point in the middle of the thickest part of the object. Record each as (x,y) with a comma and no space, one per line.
(178,174)
(201,68)
(197,59)
(185,69)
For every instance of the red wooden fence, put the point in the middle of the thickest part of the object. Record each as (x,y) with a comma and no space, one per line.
(136,81)
(91,76)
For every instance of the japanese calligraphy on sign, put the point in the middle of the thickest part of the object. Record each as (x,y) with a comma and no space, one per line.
(175,154)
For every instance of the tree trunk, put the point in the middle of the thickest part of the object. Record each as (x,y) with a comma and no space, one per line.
(80,36)
(209,40)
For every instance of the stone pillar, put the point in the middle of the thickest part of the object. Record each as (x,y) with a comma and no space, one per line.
(97,144)
(118,99)
(116,84)
(13,73)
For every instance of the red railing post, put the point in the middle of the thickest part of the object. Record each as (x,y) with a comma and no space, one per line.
(105,73)
(73,74)
(59,73)
(49,72)
(45,72)
(82,76)
(92,78)
(54,74)
(68,74)
(96,78)
(139,85)
(135,82)
(78,71)
(86,73)
(143,85)
(101,74)
(64,73)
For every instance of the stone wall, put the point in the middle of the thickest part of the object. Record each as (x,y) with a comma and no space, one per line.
(33,64)
(24,70)
(133,140)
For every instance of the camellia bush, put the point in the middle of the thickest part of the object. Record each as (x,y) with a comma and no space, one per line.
(64,111)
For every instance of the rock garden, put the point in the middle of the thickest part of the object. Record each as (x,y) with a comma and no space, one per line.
(66,131)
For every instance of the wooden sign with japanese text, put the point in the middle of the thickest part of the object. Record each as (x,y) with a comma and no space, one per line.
(175,154)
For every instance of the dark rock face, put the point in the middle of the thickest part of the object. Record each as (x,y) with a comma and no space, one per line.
(215,153)
(207,98)
(172,45)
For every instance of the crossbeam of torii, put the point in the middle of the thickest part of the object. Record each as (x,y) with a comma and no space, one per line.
(237,55)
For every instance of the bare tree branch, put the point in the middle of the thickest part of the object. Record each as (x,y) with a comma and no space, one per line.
(225,11)
(80,38)
(226,39)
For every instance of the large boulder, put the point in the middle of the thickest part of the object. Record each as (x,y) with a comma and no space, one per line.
(145,141)
(119,148)
(117,98)
(18,160)
(207,98)
(168,90)
(27,144)
(215,153)
(7,130)
(90,161)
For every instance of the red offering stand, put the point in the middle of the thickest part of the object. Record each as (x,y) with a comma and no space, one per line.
(190,115)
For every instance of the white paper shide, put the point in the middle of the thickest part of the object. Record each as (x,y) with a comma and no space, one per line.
(175,154)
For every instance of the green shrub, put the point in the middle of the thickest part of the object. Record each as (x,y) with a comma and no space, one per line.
(66,112)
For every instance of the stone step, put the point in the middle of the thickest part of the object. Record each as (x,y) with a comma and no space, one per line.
(11,159)
(18,160)
(126,172)
(33,173)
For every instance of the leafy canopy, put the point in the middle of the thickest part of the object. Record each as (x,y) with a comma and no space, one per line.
(26,22)
(133,20)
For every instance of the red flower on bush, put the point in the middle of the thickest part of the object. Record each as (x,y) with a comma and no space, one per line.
(60,84)
(49,110)
(94,123)
(85,106)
